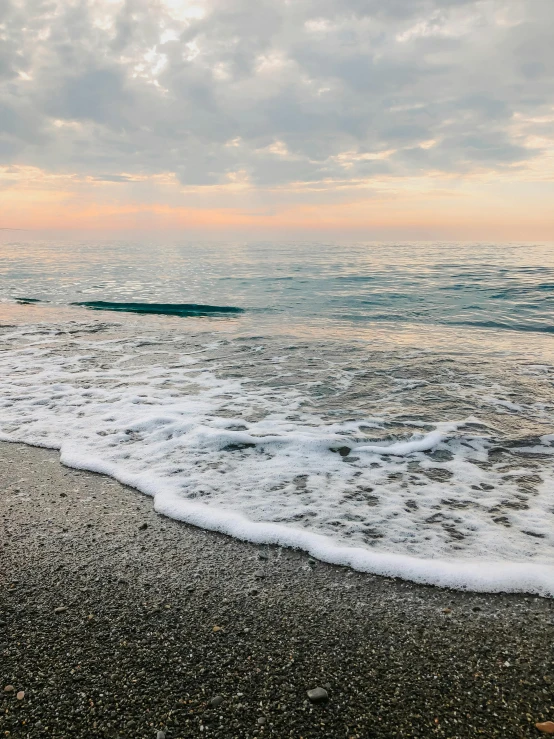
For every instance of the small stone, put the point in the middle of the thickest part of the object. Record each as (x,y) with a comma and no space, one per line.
(547,727)
(143,526)
(259,574)
(217,628)
(160,735)
(60,609)
(262,720)
(327,686)
(311,561)
(216,701)
(318,695)
(9,689)
(263,555)
(20,695)
(447,610)
(253,591)
(190,588)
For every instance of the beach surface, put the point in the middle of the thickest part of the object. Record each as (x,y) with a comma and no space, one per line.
(118,622)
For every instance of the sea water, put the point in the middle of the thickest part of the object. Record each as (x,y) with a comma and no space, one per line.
(389,407)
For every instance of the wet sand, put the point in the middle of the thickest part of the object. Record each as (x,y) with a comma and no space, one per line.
(118,622)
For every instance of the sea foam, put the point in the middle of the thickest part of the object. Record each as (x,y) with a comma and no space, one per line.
(251,455)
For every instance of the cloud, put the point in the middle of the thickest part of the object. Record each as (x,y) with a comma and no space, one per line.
(281,92)
(112,178)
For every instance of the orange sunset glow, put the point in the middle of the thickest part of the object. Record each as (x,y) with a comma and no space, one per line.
(436,122)
(480,207)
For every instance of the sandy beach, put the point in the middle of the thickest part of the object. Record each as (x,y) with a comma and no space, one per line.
(118,622)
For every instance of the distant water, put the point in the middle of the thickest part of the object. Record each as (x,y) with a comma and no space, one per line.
(389,407)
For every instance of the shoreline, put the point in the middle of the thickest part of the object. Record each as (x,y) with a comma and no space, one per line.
(159,617)
(526,578)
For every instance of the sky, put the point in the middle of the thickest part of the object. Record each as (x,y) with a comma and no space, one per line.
(414,119)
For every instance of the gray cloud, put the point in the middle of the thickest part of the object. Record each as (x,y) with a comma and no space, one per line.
(281,91)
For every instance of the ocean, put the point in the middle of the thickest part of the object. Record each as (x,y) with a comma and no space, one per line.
(388,407)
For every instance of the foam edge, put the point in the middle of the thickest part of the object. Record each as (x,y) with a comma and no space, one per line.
(475,576)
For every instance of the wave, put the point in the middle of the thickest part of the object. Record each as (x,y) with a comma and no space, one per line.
(504,326)
(165,309)
(419,316)
(451,503)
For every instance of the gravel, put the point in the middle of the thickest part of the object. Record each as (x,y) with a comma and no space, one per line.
(135,654)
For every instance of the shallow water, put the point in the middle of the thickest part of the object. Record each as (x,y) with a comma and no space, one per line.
(387,407)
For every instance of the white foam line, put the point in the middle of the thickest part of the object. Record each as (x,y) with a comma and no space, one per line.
(407,447)
(482,576)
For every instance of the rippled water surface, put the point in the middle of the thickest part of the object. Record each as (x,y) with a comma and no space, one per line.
(389,407)
(509,286)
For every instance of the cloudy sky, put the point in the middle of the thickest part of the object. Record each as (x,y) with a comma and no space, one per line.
(376,118)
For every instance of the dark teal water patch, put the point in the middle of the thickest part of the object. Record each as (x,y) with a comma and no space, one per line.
(547,329)
(29,301)
(165,309)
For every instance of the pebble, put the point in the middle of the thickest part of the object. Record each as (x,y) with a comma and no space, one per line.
(9,689)
(60,609)
(262,720)
(216,701)
(160,735)
(318,695)
(547,727)
(259,574)
(20,695)
(253,591)
(263,555)
(143,526)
